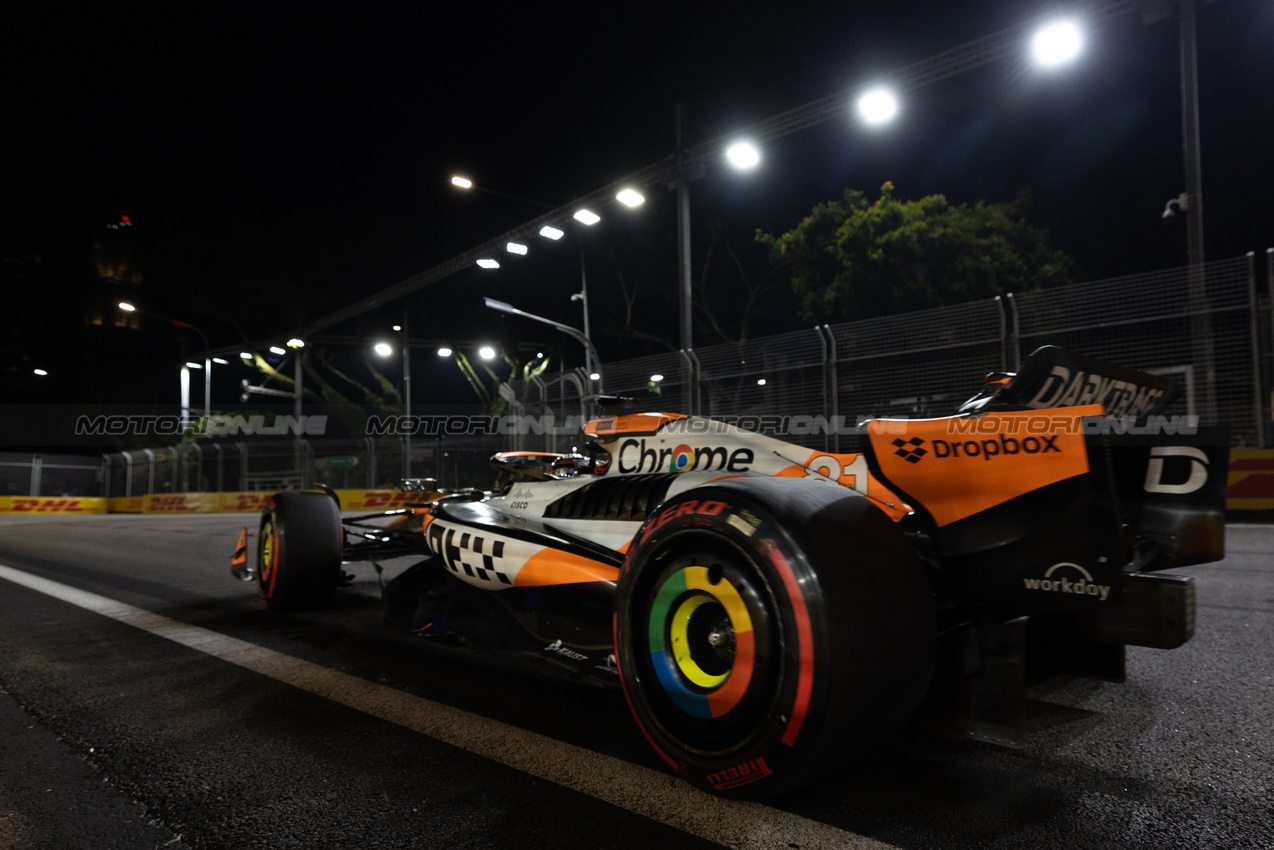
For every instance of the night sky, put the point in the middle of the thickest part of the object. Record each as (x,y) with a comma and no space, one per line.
(282,160)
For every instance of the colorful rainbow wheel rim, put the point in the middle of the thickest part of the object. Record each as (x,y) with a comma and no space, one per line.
(693,689)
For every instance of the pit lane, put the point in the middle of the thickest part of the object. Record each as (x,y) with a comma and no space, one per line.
(223,726)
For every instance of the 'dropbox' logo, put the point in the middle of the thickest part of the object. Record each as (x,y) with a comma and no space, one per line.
(910,450)
(990,449)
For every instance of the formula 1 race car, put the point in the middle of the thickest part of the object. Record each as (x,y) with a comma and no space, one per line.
(768,609)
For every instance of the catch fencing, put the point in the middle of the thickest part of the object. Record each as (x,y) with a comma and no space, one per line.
(1208,329)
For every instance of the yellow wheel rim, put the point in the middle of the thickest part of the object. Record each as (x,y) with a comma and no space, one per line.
(681,644)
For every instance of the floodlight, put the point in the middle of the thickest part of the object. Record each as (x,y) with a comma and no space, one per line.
(1057,43)
(743,155)
(878,106)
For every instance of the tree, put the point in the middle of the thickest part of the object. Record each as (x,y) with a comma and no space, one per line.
(854,259)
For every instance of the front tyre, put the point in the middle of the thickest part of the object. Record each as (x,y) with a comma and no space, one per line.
(766,628)
(299,551)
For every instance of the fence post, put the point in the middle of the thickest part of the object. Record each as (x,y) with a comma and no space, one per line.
(243,465)
(827,413)
(1269,281)
(128,471)
(1004,339)
(150,472)
(221,471)
(692,395)
(307,461)
(1256,348)
(831,385)
(1269,289)
(506,392)
(199,476)
(574,377)
(1015,332)
(106,476)
(550,439)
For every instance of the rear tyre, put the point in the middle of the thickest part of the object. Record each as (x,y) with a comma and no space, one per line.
(766,629)
(299,551)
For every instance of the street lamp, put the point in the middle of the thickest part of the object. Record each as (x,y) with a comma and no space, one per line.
(628,196)
(590,353)
(384,349)
(185,377)
(1057,43)
(877,106)
(743,155)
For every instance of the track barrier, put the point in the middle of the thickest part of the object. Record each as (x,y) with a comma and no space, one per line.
(191,503)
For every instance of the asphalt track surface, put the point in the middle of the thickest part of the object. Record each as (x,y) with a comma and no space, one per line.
(148,700)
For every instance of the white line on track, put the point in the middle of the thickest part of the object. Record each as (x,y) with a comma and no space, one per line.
(637,789)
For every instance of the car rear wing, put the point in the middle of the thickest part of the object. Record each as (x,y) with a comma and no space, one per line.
(1052,377)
